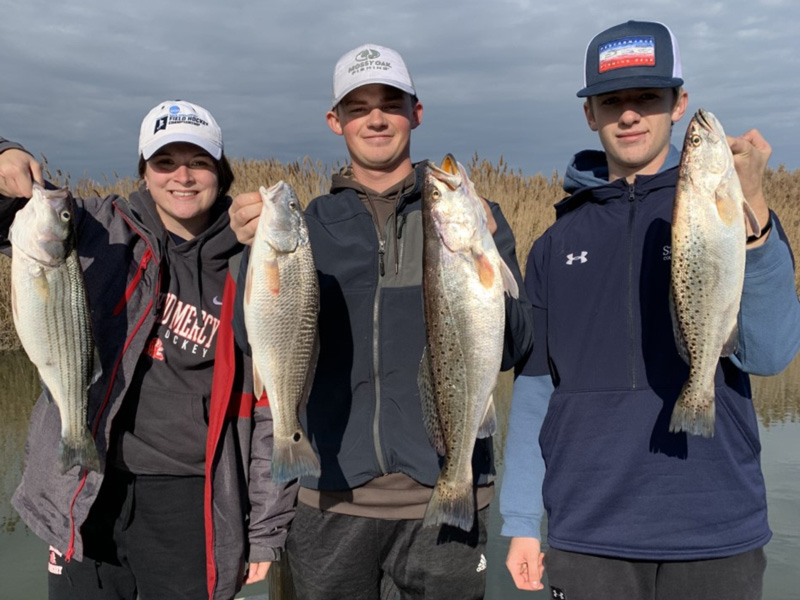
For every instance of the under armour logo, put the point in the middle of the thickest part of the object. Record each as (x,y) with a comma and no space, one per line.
(557,593)
(582,257)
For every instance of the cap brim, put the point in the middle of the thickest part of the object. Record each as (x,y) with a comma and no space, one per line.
(149,149)
(400,86)
(615,85)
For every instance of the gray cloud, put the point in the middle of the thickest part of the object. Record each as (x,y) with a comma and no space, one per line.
(495,78)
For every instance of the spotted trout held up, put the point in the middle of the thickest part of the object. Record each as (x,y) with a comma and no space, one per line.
(51,316)
(464,280)
(709,240)
(281,304)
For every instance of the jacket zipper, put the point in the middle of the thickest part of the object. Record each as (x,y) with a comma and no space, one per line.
(146,258)
(631,336)
(376,435)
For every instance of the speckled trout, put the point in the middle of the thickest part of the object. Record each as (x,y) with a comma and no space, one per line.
(281,304)
(51,316)
(708,255)
(464,279)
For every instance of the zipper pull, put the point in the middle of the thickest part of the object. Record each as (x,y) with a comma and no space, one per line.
(631,193)
(381,253)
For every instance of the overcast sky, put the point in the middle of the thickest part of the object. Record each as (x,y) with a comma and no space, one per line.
(495,77)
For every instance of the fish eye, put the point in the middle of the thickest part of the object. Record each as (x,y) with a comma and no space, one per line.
(435,194)
(293,205)
(65,215)
(696,140)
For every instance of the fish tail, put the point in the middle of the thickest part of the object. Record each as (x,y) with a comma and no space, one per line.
(451,504)
(81,452)
(293,457)
(694,412)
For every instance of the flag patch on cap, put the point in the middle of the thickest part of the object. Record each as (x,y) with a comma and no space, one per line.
(638,51)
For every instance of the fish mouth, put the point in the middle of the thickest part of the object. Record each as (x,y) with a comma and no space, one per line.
(448,172)
(705,120)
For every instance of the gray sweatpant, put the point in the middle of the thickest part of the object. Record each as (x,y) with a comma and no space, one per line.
(574,576)
(334,556)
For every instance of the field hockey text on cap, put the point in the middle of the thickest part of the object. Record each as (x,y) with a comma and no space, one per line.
(636,54)
(179,121)
(370,63)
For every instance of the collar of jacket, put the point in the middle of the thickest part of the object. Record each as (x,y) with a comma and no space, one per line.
(343,180)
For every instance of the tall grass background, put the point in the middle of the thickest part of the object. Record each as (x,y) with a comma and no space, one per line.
(526,200)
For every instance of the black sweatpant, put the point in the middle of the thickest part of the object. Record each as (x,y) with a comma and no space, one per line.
(574,576)
(334,556)
(144,535)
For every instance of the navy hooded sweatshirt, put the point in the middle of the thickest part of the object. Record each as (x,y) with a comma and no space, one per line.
(604,375)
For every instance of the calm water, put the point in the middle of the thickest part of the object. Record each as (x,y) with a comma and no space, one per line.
(23,557)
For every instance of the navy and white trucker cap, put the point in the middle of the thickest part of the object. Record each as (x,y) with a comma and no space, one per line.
(636,54)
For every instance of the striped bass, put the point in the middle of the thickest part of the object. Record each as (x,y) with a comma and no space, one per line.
(52,318)
(709,239)
(464,279)
(281,304)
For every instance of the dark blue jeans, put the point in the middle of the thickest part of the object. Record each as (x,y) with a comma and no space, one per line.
(144,535)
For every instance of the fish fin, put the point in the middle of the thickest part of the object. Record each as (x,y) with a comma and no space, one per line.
(258,383)
(680,344)
(726,205)
(293,457)
(97,368)
(273,276)
(751,218)
(694,411)
(427,399)
(509,283)
(312,368)
(489,422)
(731,345)
(82,452)
(40,284)
(484,266)
(451,505)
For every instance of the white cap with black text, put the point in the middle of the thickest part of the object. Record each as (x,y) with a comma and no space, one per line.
(367,64)
(179,121)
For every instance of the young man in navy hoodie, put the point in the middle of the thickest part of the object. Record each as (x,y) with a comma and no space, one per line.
(635,511)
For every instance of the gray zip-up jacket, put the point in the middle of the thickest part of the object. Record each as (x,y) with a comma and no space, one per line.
(363,415)
(123,257)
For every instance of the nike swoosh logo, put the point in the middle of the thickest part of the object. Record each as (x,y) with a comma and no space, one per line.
(217,301)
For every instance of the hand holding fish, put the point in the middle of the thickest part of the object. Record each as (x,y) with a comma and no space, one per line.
(491,224)
(245,211)
(751,153)
(525,562)
(18,171)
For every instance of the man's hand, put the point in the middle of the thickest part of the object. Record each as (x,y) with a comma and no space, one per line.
(18,171)
(256,572)
(525,562)
(491,224)
(750,155)
(244,212)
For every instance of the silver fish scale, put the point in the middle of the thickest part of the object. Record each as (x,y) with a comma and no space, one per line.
(464,320)
(283,332)
(707,271)
(52,318)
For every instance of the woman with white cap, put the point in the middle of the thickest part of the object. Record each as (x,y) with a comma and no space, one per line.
(177,430)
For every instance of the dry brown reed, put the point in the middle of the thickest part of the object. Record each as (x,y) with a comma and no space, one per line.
(526,200)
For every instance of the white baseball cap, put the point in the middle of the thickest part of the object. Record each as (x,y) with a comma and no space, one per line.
(179,121)
(370,63)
